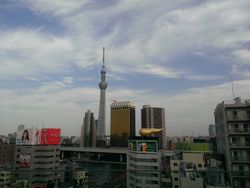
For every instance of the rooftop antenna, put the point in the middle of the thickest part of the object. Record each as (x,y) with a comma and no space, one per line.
(232,87)
(103,55)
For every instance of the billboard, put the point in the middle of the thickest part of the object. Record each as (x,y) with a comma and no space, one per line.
(23,161)
(50,136)
(146,146)
(24,137)
(45,136)
(143,145)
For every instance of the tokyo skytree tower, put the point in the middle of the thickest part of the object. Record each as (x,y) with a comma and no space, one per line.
(102,106)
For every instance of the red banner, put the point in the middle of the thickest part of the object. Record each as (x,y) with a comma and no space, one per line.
(50,136)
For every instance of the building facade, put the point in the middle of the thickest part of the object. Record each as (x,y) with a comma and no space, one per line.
(88,134)
(37,154)
(232,122)
(122,123)
(7,153)
(152,117)
(197,170)
(38,164)
(6,178)
(147,167)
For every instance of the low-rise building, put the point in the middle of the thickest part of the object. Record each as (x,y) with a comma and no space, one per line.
(6,178)
(146,165)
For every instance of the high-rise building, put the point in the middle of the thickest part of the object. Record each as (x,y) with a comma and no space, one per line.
(88,134)
(122,123)
(232,122)
(211,130)
(153,117)
(102,106)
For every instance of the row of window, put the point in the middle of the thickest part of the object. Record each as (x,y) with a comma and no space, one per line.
(146,181)
(47,156)
(238,114)
(140,167)
(239,127)
(143,160)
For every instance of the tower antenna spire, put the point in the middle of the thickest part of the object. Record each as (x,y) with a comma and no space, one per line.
(103,55)
(232,87)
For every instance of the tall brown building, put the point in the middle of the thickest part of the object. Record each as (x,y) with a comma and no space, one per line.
(152,117)
(122,123)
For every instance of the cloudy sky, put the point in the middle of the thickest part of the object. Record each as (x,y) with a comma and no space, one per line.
(179,55)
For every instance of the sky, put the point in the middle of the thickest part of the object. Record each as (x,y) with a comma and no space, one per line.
(179,55)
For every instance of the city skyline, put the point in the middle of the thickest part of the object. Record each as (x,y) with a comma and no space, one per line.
(176,55)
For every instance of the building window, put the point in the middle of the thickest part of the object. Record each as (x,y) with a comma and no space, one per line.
(246,128)
(236,128)
(235,155)
(175,164)
(175,179)
(138,181)
(234,114)
(176,186)
(199,165)
(248,114)
(247,141)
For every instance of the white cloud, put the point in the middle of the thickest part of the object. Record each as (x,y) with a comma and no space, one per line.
(243,56)
(26,52)
(189,112)
(141,37)
(204,77)
(56,7)
(136,33)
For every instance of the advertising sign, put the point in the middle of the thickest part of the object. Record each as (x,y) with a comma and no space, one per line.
(23,161)
(132,145)
(36,137)
(45,136)
(143,145)
(28,137)
(50,136)
(24,137)
(146,146)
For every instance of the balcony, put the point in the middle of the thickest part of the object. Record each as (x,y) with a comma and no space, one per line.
(241,174)
(241,159)
(239,145)
(239,131)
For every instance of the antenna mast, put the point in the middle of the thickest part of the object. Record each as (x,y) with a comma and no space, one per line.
(232,87)
(103,55)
